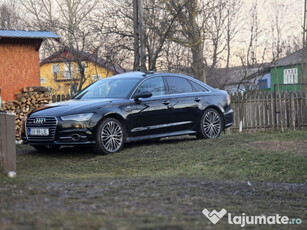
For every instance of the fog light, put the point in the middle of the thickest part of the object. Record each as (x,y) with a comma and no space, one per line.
(75,137)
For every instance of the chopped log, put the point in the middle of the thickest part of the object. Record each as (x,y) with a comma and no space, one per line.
(30,98)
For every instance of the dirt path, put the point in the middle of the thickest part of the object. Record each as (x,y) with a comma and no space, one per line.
(293,146)
(143,203)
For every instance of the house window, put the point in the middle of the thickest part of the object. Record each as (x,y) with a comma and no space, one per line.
(68,71)
(56,68)
(263,84)
(43,80)
(290,76)
(96,77)
(83,64)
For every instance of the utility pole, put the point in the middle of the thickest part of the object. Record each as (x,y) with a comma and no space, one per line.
(304,64)
(139,36)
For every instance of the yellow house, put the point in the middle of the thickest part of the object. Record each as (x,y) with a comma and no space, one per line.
(61,71)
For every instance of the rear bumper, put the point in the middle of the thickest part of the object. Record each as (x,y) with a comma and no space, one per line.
(228,118)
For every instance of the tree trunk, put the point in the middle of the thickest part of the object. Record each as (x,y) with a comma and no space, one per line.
(142,34)
(198,65)
(136,45)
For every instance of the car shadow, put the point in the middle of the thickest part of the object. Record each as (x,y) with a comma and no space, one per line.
(86,151)
(162,141)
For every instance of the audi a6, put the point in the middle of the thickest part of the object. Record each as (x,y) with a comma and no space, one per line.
(130,107)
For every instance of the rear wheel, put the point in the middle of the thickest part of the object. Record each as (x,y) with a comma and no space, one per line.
(110,136)
(210,125)
(46,148)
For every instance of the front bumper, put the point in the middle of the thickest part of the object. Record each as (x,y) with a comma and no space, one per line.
(60,133)
(64,137)
(228,118)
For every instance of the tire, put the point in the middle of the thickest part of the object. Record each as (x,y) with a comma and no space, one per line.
(110,136)
(210,125)
(46,148)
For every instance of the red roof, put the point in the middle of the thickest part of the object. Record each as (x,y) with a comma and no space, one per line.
(65,55)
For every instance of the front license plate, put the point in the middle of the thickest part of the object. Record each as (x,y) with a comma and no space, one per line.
(38,132)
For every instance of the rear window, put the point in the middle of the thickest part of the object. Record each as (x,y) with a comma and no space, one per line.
(178,85)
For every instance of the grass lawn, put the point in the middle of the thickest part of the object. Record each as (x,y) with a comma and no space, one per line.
(159,185)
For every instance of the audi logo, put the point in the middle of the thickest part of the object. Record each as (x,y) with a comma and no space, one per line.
(39,121)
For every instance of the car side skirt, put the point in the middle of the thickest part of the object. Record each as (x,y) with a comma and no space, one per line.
(139,138)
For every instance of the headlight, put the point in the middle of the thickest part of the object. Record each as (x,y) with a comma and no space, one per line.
(78,117)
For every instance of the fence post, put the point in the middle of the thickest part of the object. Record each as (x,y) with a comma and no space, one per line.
(292,109)
(7,142)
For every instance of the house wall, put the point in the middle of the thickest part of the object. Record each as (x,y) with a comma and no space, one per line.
(61,85)
(280,73)
(19,67)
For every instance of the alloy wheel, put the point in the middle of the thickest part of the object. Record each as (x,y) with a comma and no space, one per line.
(112,136)
(212,124)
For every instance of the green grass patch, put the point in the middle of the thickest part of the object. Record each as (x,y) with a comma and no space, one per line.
(230,157)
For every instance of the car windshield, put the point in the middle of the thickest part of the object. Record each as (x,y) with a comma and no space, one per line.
(109,88)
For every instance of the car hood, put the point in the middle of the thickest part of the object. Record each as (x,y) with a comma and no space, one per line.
(74,107)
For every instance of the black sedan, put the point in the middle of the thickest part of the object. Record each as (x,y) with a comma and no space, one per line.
(130,107)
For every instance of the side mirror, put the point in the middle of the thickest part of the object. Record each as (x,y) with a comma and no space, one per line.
(143,94)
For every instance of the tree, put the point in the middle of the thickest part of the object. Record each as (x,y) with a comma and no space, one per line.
(9,18)
(220,30)
(189,33)
(72,20)
(139,36)
(120,25)
(249,60)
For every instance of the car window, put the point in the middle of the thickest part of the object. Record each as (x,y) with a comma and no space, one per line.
(197,87)
(178,85)
(108,88)
(153,85)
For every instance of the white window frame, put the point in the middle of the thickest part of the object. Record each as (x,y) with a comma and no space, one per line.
(96,77)
(68,70)
(43,80)
(291,76)
(55,68)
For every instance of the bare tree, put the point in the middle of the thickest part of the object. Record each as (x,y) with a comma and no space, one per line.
(249,60)
(220,30)
(9,16)
(190,32)
(72,20)
(278,45)
(159,25)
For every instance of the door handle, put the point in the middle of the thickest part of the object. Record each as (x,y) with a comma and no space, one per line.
(166,102)
(197,99)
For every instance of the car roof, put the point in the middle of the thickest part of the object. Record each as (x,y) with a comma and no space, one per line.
(142,75)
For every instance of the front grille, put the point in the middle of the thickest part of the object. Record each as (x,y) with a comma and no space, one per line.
(46,122)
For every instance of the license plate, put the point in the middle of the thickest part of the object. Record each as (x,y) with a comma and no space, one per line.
(38,132)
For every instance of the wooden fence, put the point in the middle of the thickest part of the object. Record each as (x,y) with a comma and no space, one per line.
(265,110)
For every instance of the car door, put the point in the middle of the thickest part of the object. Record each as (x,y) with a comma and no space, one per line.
(186,103)
(152,115)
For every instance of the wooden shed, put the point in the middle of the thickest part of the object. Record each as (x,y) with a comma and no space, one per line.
(19,60)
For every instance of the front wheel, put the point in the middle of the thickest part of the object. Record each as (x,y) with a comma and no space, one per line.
(110,136)
(210,124)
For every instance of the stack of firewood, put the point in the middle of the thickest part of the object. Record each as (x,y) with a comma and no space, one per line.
(30,98)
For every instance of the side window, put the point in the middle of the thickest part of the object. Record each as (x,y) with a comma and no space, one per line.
(178,85)
(153,85)
(197,87)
